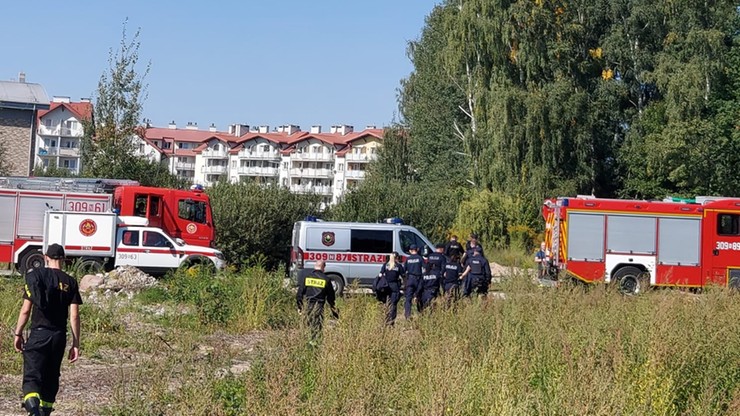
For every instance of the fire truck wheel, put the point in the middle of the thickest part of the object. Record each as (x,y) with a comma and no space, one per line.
(338,283)
(90,266)
(631,280)
(33,259)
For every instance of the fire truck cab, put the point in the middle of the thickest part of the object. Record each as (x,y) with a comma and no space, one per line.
(638,243)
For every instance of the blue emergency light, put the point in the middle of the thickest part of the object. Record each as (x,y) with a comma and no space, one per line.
(311,218)
(394,220)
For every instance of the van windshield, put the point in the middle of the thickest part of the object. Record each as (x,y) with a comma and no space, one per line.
(408,238)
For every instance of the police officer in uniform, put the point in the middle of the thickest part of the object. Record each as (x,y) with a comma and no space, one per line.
(391,272)
(470,247)
(51,296)
(432,276)
(453,248)
(317,289)
(414,275)
(451,279)
(477,274)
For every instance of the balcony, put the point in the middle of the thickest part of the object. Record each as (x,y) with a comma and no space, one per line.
(327,157)
(355,174)
(60,151)
(60,131)
(184,166)
(307,189)
(215,169)
(360,157)
(257,171)
(311,173)
(215,154)
(259,155)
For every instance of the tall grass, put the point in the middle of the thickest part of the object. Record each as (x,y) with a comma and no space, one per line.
(538,351)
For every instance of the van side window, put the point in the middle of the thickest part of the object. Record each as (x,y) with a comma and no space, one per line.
(728,224)
(130,238)
(372,241)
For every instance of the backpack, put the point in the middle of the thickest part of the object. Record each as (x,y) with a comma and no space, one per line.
(380,283)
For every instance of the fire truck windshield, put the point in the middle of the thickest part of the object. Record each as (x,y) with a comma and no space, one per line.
(192,210)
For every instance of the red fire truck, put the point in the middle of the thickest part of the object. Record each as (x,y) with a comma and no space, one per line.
(637,244)
(23,201)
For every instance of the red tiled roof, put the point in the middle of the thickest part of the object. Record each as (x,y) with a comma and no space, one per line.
(81,111)
(377,133)
(184,135)
(278,138)
(226,138)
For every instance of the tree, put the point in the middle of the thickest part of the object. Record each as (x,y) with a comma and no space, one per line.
(108,144)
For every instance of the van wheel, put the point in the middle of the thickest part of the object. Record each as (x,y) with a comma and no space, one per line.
(337,283)
(631,280)
(33,259)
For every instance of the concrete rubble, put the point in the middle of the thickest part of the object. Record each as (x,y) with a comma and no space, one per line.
(125,280)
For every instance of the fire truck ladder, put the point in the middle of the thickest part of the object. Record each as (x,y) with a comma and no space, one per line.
(555,249)
(64,184)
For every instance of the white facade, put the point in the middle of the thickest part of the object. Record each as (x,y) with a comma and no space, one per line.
(325,164)
(59,136)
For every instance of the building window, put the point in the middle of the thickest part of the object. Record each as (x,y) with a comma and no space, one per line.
(179,145)
(53,143)
(167,145)
(47,122)
(216,147)
(265,148)
(341,167)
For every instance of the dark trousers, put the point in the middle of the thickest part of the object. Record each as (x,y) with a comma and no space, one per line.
(452,292)
(42,359)
(390,297)
(475,284)
(315,318)
(409,291)
(427,296)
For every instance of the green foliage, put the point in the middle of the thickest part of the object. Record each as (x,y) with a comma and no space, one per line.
(539,99)
(255,223)
(428,207)
(243,301)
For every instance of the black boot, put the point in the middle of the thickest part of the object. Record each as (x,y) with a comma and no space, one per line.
(33,406)
(46,411)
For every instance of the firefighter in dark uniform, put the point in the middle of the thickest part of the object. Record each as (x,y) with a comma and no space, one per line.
(51,296)
(477,274)
(453,248)
(414,275)
(451,279)
(389,292)
(317,289)
(432,279)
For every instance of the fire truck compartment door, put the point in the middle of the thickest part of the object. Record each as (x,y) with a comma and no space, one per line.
(723,250)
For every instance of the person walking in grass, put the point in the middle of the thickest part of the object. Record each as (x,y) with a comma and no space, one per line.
(317,289)
(50,297)
(387,286)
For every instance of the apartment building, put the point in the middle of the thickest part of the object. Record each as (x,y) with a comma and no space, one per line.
(324,163)
(59,133)
(20,103)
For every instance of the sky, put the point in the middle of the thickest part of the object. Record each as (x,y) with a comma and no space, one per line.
(321,62)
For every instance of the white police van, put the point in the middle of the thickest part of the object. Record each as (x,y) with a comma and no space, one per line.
(353,251)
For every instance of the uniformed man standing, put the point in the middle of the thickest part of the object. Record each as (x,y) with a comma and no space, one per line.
(413,265)
(470,247)
(478,274)
(432,280)
(451,279)
(453,248)
(317,289)
(51,296)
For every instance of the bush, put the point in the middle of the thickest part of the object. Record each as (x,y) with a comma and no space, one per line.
(240,301)
(429,208)
(255,223)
